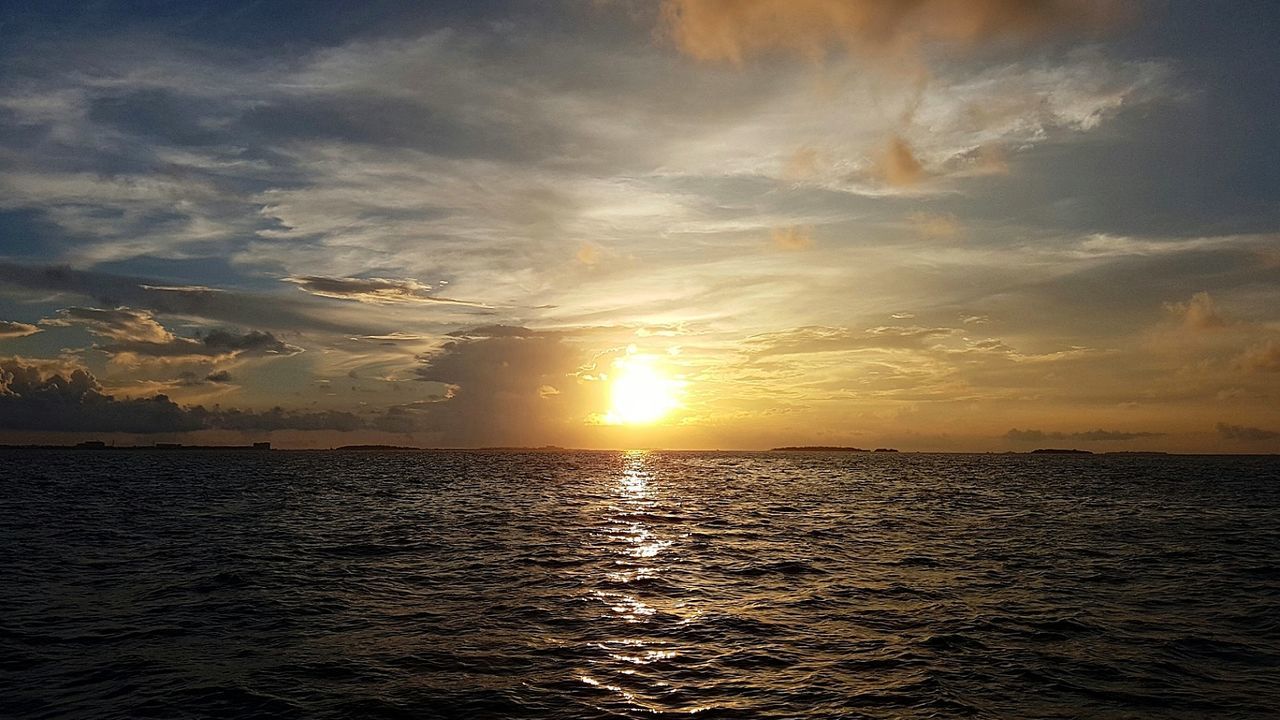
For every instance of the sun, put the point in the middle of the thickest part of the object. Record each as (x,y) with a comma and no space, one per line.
(640,394)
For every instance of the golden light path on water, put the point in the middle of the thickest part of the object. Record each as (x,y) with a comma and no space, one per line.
(639,555)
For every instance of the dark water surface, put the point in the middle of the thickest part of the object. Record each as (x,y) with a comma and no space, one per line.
(598,585)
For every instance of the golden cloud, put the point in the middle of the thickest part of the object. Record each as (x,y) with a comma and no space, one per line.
(796,237)
(588,254)
(13,329)
(1264,357)
(898,165)
(732,30)
(802,165)
(935,227)
(1198,313)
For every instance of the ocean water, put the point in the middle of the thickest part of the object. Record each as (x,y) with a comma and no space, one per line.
(637,585)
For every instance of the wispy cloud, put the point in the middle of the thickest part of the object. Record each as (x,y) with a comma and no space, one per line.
(233,307)
(1035,436)
(136,333)
(1245,433)
(376,291)
(11,329)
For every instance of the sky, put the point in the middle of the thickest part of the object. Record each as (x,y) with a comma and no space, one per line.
(951,225)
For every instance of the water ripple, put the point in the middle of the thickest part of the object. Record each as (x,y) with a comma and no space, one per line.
(637,585)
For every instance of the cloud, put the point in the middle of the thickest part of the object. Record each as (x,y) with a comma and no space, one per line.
(1198,313)
(278,418)
(31,399)
(1032,436)
(898,165)
(218,377)
(369,185)
(802,165)
(506,385)
(485,332)
(11,329)
(984,160)
(359,160)
(392,337)
(1244,433)
(588,254)
(795,237)
(1264,357)
(124,324)
(931,226)
(255,342)
(136,332)
(234,307)
(39,398)
(823,339)
(376,291)
(733,30)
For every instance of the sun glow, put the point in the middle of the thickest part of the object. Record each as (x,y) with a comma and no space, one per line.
(640,394)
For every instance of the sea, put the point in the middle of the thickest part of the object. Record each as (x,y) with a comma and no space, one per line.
(281,584)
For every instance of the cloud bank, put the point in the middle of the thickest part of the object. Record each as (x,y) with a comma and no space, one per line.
(1244,433)
(1034,436)
(42,398)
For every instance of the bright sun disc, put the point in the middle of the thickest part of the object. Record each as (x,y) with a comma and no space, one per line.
(640,395)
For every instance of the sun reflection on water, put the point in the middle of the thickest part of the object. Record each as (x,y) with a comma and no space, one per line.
(631,539)
(638,549)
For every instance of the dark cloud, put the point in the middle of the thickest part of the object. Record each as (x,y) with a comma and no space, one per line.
(1244,433)
(33,399)
(39,398)
(281,419)
(377,291)
(158,115)
(236,308)
(1032,436)
(11,329)
(136,332)
(219,377)
(287,29)
(254,342)
(367,118)
(504,385)
(499,331)
(498,378)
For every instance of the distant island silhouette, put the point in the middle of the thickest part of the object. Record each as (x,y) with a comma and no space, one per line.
(266,446)
(100,445)
(818,448)
(829,448)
